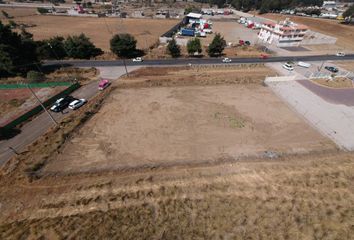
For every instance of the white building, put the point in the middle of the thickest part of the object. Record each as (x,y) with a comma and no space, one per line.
(282,34)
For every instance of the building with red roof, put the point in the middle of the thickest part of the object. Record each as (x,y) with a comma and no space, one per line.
(282,34)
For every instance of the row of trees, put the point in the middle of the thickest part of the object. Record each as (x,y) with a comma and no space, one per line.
(19,53)
(349,12)
(263,5)
(194,46)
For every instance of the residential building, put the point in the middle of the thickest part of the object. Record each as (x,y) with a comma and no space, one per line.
(282,34)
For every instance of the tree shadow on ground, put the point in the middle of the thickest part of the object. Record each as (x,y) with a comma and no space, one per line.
(8,133)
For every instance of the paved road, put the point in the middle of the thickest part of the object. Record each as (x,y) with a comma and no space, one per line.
(41,124)
(332,120)
(185,61)
(336,96)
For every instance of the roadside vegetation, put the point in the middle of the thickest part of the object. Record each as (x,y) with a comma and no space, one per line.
(19,53)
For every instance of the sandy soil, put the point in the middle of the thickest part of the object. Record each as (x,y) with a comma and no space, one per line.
(99,30)
(343,33)
(162,126)
(348,65)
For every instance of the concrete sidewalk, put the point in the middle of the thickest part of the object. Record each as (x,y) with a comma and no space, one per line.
(335,121)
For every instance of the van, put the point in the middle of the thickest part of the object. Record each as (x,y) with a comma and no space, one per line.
(304,64)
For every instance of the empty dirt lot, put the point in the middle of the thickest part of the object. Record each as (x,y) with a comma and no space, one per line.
(99,30)
(161,126)
(300,196)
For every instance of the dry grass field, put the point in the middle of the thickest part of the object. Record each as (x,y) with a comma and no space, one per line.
(343,33)
(99,30)
(303,195)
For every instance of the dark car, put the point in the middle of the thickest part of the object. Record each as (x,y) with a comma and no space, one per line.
(331,69)
(62,103)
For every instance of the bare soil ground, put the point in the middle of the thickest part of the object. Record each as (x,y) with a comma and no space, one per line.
(17,13)
(99,30)
(296,196)
(348,65)
(14,102)
(185,124)
(343,33)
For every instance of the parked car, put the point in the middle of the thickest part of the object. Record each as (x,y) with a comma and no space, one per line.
(263,56)
(331,69)
(104,83)
(340,54)
(62,103)
(226,60)
(288,67)
(137,59)
(77,103)
(304,64)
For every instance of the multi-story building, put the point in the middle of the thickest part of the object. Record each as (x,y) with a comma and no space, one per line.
(282,34)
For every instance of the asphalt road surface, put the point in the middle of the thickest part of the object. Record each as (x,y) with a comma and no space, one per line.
(185,61)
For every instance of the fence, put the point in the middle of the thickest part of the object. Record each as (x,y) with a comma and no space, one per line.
(35,85)
(38,108)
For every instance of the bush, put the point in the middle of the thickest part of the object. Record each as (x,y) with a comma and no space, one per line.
(42,10)
(35,77)
(173,49)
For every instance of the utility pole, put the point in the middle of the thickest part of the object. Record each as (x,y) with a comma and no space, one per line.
(125,66)
(51,117)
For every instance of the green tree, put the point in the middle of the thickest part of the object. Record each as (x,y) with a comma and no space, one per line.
(173,49)
(81,47)
(123,45)
(17,53)
(194,46)
(216,47)
(52,48)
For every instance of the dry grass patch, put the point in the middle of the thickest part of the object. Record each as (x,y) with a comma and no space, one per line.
(338,82)
(99,30)
(197,75)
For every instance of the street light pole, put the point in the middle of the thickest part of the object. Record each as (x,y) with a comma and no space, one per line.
(51,117)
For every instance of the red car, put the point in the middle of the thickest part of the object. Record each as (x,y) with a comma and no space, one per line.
(263,56)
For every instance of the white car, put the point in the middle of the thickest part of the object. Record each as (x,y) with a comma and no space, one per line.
(138,59)
(340,54)
(304,64)
(77,103)
(226,60)
(288,67)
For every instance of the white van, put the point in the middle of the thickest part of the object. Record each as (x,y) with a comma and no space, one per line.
(304,64)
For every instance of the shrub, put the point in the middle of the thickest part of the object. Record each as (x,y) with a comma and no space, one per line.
(173,49)
(35,77)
